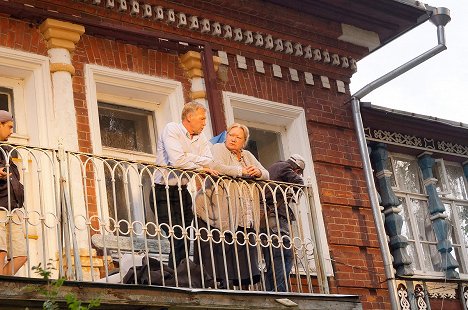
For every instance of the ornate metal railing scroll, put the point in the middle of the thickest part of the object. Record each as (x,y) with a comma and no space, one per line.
(96,218)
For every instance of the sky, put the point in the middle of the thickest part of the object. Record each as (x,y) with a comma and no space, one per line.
(437,87)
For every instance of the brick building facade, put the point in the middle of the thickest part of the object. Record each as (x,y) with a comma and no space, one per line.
(272,55)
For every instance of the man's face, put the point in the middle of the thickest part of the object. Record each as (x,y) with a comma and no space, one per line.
(6,129)
(196,121)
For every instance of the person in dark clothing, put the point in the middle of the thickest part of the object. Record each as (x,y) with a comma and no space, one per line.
(11,203)
(279,217)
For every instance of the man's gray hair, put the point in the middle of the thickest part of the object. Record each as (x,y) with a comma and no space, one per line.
(244,128)
(191,107)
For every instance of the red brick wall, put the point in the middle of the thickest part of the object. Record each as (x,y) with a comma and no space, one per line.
(21,35)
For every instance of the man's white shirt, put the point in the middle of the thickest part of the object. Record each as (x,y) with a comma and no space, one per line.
(177,149)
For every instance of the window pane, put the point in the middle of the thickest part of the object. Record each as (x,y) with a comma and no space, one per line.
(125,128)
(457,186)
(406,225)
(463,215)
(390,168)
(265,145)
(406,175)
(6,98)
(426,233)
(437,170)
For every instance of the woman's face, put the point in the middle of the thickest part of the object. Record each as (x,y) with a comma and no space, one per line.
(235,139)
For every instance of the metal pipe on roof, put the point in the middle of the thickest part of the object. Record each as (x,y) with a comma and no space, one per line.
(440,17)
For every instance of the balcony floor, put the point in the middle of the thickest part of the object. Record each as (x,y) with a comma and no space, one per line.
(18,292)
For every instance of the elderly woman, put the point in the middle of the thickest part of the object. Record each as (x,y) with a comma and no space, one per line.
(230,207)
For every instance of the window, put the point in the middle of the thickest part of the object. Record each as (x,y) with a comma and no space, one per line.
(284,127)
(126,128)
(265,145)
(417,226)
(6,99)
(126,110)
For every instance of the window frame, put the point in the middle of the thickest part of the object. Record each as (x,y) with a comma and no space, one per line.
(463,269)
(291,123)
(162,97)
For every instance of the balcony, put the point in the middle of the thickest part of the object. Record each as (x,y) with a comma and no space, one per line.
(97,222)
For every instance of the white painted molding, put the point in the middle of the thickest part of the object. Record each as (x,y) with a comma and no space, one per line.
(295,140)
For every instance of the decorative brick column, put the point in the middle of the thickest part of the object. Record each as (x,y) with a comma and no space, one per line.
(438,217)
(61,38)
(393,220)
(191,62)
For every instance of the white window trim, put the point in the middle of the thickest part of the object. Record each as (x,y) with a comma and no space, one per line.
(162,97)
(295,140)
(35,114)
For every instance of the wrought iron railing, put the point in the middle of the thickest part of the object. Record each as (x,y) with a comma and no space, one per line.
(99,219)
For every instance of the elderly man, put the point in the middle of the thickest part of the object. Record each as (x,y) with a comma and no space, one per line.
(182,146)
(11,201)
(289,171)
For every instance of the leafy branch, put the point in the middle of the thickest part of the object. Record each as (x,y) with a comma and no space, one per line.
(52,290)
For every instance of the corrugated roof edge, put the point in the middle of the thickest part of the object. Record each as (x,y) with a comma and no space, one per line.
(416,115)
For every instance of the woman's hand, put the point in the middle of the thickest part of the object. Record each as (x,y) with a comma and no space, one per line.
(252,171)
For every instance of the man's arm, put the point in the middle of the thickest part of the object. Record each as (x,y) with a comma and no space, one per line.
(288,175)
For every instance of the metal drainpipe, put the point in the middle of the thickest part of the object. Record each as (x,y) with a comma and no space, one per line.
(440,17)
